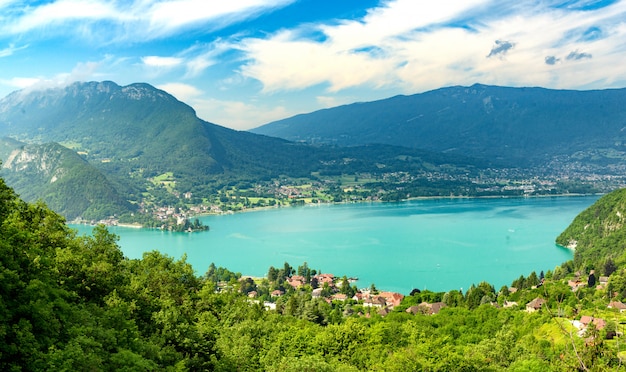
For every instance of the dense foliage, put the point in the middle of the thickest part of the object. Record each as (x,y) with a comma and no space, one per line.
(66,182)
(69,302)
(598,233)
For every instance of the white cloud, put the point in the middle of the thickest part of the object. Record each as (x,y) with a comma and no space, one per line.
(21,82)
(61,11)
(183,92)
(8,51)
(332,101)
(401,46)
(139,20)
(237,115)
(201,57)
(168,16)
(83,71)
(156,61)
(416,45)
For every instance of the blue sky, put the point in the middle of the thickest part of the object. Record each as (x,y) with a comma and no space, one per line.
(244,63)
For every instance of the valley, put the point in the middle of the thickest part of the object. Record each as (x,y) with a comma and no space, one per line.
(312,186)
(102,152)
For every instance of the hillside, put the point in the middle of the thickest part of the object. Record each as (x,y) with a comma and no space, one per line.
(520,126)
(67,183)
(147,149)
(76,303)
(599,232)
(136,128)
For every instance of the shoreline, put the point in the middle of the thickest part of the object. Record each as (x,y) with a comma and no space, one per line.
(366,277)
(266,208)
(131,225)
(504,196)
(259,209)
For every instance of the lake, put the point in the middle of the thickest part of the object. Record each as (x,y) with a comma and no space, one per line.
(435,244)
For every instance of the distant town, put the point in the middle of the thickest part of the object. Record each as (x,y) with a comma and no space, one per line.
(183,208)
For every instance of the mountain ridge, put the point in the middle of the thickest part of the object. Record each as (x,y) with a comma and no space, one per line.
(526,126)
(134,134)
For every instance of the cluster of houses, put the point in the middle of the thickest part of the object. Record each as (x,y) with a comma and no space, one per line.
(381,302)
(165,213)
(580,281)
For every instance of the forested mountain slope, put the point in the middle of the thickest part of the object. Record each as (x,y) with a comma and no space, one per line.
(69,184)
(521,126)
(136,128)
(129,136)
(599,232)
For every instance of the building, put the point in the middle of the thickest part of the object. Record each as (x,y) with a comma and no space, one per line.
(535,304)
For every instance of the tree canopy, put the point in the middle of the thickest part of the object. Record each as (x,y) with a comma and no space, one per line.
(73,302)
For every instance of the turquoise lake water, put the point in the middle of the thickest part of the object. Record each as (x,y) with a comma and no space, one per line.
(438,244)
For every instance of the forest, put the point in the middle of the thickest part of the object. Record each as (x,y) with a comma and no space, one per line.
(70,302)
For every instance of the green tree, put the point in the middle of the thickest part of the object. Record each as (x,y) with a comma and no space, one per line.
(609,267)
(346,288)
(272,274)
(532,280)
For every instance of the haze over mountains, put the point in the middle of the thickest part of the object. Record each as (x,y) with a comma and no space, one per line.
(518,126)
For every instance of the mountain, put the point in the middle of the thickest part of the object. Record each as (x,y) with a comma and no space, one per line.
(67,183)
(125,138)
(599,232)
(134,128)
(519,126)
(132,133)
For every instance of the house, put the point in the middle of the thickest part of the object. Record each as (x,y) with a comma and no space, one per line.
(436,307)
(317,293)
(384,311)
(252,294)
(392,298)
(277,293)
(426,308)
(325,278)
(415,309)
(617,305)
(602,282)
(339,297)
(599,323)
(376,301)
(296,281)
(576,284)
(508,304)
(535,304)
(586,320)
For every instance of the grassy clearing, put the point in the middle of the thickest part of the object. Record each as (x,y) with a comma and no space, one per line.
(165,177)
(558,331)
(72,145)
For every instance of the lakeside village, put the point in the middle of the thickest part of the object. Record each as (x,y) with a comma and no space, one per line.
(320,297)
(184,208)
